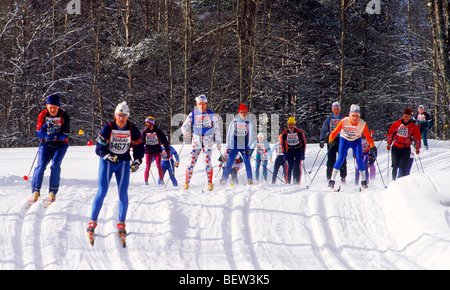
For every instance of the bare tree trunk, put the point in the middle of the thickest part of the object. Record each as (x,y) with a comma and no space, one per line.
(169,58)
(187,47)
(341,77)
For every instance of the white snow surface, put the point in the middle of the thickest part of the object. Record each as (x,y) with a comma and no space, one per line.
(262,226)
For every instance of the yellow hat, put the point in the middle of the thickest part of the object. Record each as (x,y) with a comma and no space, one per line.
(291,120)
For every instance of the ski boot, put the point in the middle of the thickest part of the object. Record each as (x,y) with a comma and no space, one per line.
(364,184)
(90,231)
(33,199)
(210,187)
(331,183)
(250,182)
(51,198)
(122,233)
(185,186)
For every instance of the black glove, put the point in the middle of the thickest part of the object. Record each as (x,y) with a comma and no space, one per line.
(374,150)
(322,143)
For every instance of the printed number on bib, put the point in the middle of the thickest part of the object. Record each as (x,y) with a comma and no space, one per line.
(292,139)
(402,131)
(120,141)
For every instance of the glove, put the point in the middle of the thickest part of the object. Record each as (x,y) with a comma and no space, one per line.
(417,150)
(373,150)
(388,147)
(228,151)
(331,143)
(135,165)
(111,158)
(302,157)
(176,164)
(322,143)
(284,157)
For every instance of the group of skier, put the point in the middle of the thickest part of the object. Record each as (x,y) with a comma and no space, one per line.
(116,139)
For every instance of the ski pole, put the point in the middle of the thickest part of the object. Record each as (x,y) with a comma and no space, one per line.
(317,155)
(268,169)
(381,175)
(307,187)
(29,172)
(418,157)
(306,173)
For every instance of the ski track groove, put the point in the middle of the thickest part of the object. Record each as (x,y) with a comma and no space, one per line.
(322,234)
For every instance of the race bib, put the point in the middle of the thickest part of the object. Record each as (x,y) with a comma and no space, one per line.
(292,139)
(402,131)
(164,155)
(152,139)
(333,124)
(56,121)
(260,148)
(241,130)
(421,118)
(350,132)
(203,121)
(120,141)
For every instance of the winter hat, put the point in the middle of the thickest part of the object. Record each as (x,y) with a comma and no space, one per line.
(150,120)
(53,100)
(242,107)
(407,112)
(291,120)
(354,109)
(260,135)
(201,99)
(421,107)
(335,105)
(122,108)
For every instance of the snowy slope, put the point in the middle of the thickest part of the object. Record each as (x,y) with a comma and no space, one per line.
(264,226)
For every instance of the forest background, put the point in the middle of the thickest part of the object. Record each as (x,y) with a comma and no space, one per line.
(282,57)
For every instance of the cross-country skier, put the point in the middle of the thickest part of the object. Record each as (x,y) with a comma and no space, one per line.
(293,144)
(279,160)
(239,138)
(424,121)
(328,126)
(168,164)
(401,135)
(237,165)
(351,128)
(53,128)
(206,132)
(114,142)
(369,161)
(262,148)
(153,138)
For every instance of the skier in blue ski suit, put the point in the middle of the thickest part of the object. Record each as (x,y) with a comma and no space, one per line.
(239,137)
(53,128)
(113,147)
(169,165)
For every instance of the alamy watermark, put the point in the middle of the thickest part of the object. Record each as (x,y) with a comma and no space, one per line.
(373,7)
(261,124)
(74,7)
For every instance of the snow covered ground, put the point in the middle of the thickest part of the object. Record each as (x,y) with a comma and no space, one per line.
(263,226)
